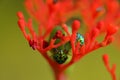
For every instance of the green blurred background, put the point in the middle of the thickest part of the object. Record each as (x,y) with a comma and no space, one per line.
(19,62)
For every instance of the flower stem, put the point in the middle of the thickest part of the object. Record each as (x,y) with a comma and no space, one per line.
(60,75)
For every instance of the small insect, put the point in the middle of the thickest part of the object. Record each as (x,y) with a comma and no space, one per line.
(60,56)
(80,39)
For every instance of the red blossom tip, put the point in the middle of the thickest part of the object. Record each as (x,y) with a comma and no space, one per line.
(20,15)
(111,29)
(106,59)
(75,25)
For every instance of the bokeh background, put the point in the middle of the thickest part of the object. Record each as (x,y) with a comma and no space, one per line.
(19,62)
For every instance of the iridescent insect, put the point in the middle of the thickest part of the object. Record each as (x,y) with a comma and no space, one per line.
(80,38)
(60,54)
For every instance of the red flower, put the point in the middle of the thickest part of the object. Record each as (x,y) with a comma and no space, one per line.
(51,14)
(106,10)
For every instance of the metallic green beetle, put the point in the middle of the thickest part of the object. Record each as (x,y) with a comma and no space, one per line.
(60,54)
(80,39)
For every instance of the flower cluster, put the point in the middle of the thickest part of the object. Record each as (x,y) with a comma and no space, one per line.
(56,37)
(95,10)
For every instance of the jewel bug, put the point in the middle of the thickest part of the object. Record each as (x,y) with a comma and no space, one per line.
(60,56)
(80,38)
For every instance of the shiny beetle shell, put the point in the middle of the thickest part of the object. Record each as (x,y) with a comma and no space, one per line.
(80,39)
(60,57)
(60,54)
